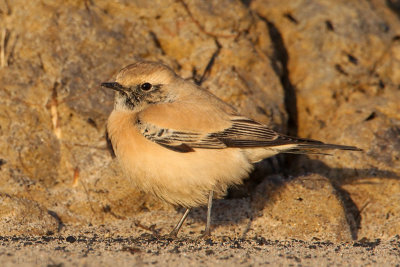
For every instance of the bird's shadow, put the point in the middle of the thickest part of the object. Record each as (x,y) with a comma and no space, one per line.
(240,210)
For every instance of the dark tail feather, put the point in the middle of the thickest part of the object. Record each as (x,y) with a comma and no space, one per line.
(326,146)
(310,146)
(315,147)
(305,151)
(305,143)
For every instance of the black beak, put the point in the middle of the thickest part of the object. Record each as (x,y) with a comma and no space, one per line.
(115,86)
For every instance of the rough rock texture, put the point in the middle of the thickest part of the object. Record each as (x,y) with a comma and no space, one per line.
(328,70)
(305,208)
(343,62)
(22,216)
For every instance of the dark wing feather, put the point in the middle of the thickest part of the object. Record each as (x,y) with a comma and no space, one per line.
(248,133)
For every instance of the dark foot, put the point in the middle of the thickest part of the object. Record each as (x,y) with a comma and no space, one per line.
(150,236)
(173,235)
(205,235)
(151,229)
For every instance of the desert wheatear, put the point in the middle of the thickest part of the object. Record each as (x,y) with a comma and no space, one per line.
(182,143)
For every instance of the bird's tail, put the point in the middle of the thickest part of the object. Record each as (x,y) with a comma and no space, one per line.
(309,146)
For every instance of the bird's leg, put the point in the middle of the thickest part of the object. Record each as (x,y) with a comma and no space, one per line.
(175,231)
(207,231)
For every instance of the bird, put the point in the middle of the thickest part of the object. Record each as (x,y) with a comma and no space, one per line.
(182,143)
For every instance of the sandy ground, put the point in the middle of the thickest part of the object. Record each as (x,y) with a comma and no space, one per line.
(99,246)
(141,241)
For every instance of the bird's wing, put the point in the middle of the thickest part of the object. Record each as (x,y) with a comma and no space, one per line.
(187,130)
(241,132)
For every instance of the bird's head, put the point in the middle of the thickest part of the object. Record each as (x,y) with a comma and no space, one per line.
(141,84)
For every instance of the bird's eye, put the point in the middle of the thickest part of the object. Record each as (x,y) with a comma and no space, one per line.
(146,86)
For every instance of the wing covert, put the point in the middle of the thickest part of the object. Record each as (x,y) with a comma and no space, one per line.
(181,141)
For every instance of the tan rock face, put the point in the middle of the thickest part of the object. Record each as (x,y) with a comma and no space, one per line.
(26,217)
(342,62)
(308,207)
(332,66)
